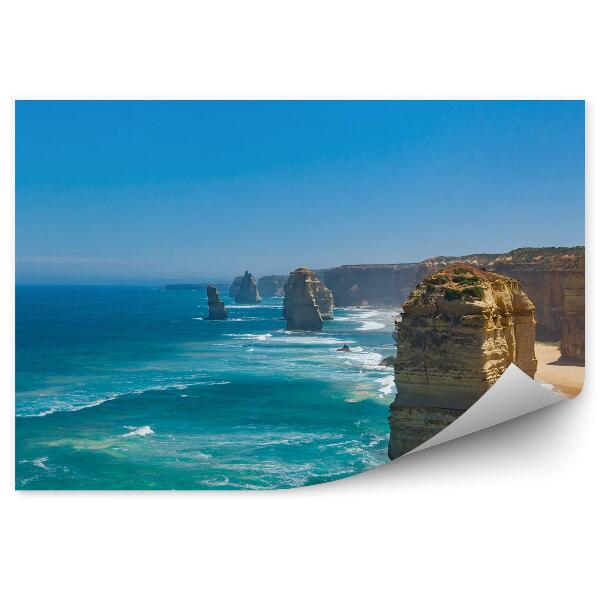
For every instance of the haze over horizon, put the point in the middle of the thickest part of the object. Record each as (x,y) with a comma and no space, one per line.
(126,191)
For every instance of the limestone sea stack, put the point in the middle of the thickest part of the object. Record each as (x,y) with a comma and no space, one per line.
(234,288)
(248,290)
(307,301)
(216,307)
(461,329)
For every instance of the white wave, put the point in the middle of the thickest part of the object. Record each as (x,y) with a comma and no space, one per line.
(249,306)
(371,325)
(228,320)
(366,314)
(302,338)
(364,359)
(261,337)
(139,431)
(387,386)
(40,462)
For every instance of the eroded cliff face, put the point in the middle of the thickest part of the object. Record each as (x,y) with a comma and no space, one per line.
(554,279)
(216,307)
(386,285)
(572,332)
(271,285)
(307,301)
(461,329)
(374,285)
(248,290)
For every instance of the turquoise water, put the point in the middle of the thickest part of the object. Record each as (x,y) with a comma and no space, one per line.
(129,388)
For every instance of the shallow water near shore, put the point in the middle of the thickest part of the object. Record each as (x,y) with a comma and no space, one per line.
(129,388)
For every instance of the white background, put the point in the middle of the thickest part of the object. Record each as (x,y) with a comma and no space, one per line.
(506,513)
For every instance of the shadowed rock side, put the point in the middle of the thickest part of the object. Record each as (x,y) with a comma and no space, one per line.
(234,288)
(572,333)
(216,308)
(271,285)
(554,279)
(248,291)
(307,301)
(362,285)
(386,285)
(461,329)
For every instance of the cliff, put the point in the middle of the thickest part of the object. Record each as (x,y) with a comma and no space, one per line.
(554,279)
(461,329)
(216,308)
(248,290)
(307,301)
(386,285)
(375,285)
(271,285)
(572,331)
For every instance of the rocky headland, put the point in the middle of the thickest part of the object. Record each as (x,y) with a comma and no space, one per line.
(461,329)
(553,278)
(271,285)
(307,301)
(216,307)
(247,293)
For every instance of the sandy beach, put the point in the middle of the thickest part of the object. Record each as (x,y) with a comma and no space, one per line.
(565,376)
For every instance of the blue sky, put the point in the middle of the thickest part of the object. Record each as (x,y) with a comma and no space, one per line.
(126,191)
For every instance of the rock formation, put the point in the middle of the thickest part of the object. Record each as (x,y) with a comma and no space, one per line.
(554,279)
(216,308)
(271,285)
(461,329)
(386,285)
(248,290)
(361,285)
(234,288)
(307,301)
(572,332)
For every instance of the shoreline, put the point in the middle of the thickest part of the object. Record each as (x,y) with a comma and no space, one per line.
(566,378)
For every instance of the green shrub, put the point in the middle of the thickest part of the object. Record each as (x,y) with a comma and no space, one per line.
(476,292)
(461,271)
(450,294)
(464,280)
(438,280)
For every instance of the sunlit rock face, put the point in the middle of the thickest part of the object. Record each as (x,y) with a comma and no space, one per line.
(461,329)
(216,308)
(248,290)
(307,301)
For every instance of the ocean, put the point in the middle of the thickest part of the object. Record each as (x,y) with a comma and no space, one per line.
(127,387)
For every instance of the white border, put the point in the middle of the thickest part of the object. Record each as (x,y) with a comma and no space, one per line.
(507,513)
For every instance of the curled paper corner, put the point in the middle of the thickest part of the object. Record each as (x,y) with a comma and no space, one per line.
(513,395)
